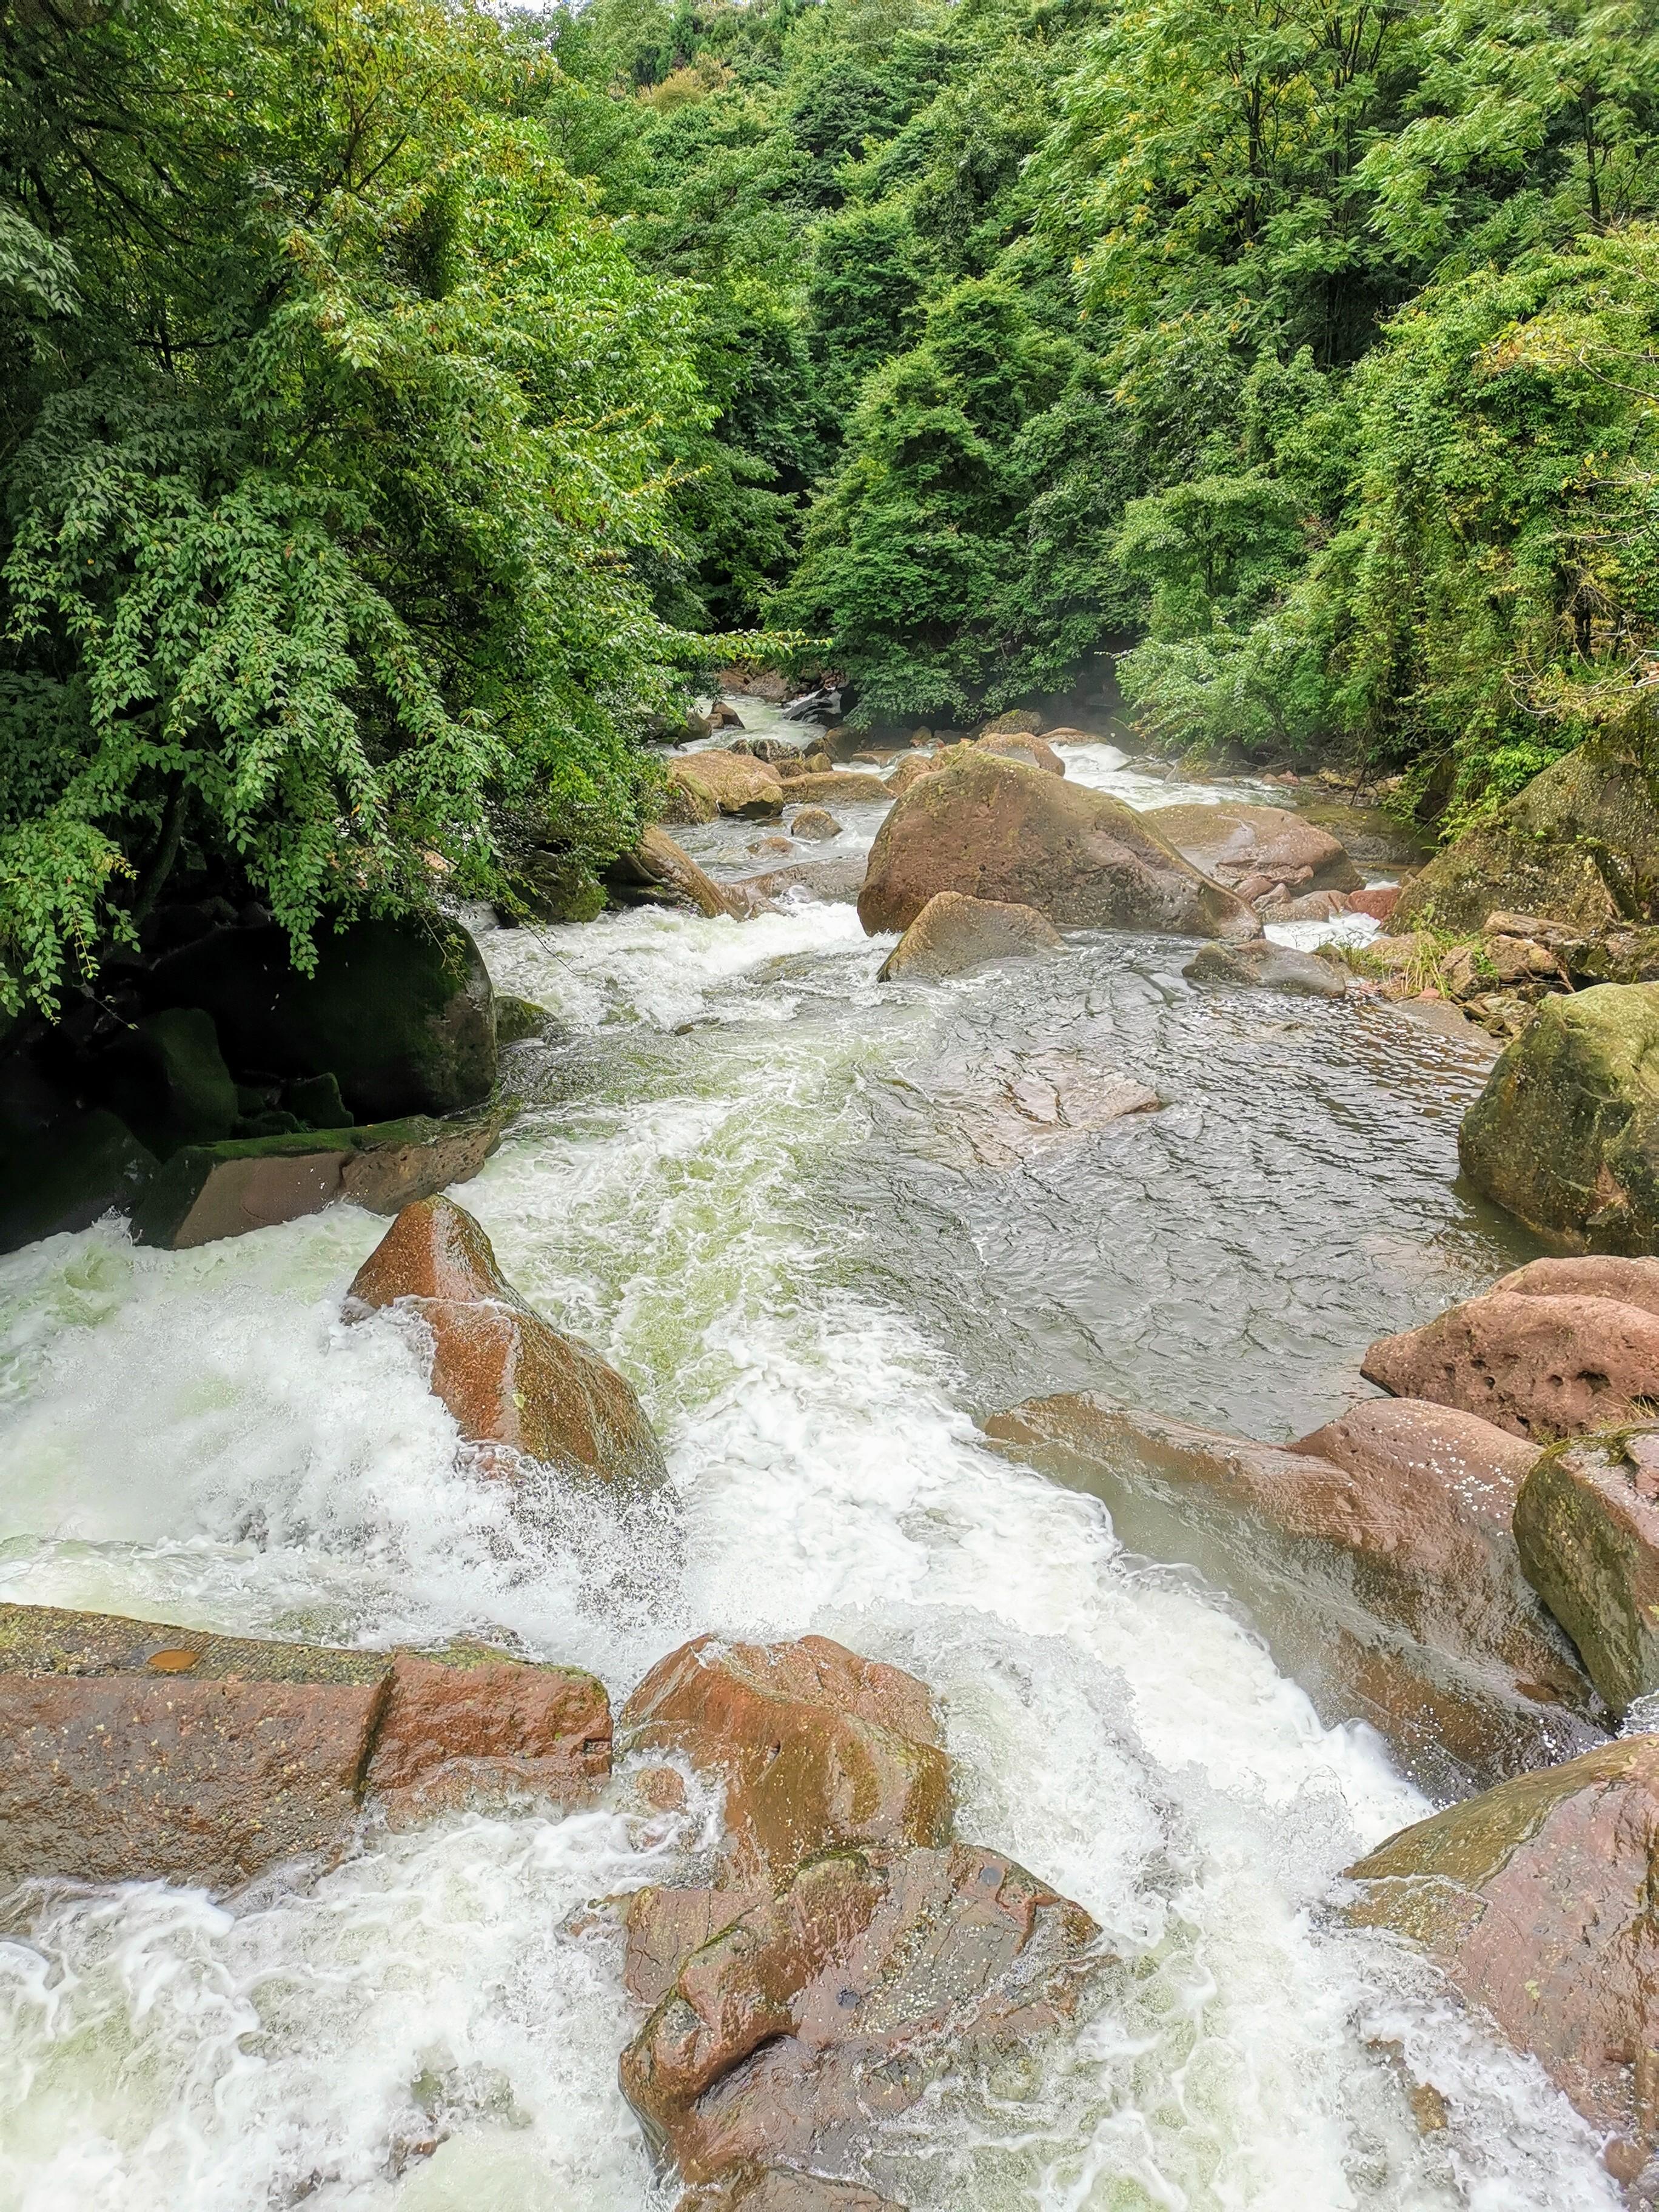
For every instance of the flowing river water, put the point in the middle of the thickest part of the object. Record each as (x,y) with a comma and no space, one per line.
(755,1179)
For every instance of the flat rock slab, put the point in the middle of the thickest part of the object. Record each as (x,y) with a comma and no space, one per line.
(1235,841)
(1540,1365)
(1012,1108)
(1587,1523)
(207,1191)
(954,934)
(1535,1898)
(1267,967)
(137,1751)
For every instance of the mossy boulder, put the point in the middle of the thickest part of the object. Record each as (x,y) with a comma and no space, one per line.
(1586,1523)
(1566,1135)
(166,1078)
(1579,845)
(70,1176)
(401,1013)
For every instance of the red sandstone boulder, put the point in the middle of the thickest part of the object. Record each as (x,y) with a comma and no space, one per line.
(510,1380)
(704,784)
(1594,1275)
(816,1746)
(134,1751)
(1587,1523)
(911,771)
(1376,900)
(1376,1555)
(1540,1364)
(999,830)
(1234,842)
(953,934)
(1536,1901)
(816,2014)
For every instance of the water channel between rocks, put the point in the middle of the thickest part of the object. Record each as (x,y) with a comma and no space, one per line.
(776,1193)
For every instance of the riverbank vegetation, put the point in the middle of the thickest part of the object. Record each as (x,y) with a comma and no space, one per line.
(402,400)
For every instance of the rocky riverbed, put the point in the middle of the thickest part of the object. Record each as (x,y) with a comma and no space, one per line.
(820,1229)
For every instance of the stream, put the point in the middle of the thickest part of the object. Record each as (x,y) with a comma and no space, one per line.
(770,1189)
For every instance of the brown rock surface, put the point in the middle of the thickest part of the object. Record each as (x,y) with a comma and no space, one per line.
(1536,1900)
(781,2189)
(816,1746)
(1231,842)
(816,824)
(786,2040)
(999,830)
(953,933)
(1540,1365)
(704,784)
(1021,745)
(132,1750)
(838,788)
(911,771)
(1587,1523)
(1630,1282)
(509,1378)
(1374,1554)
(657,869)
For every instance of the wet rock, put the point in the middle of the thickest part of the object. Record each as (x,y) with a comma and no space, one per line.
(782,2189)
(206,1192)
(702,784)
(1565,1134)
(1008,1107)
(1535,1900)
(1586,1523)
(774,751)
(762,846)
(1376,900)
(1310,906)
(836,881)
(401,1014)
(1539,1365)
(166,1078)
(839,787)
(657,872)
(815,823)
(1021,745)
(316,1098)
(874,1973)
(510,1379)
(1376,1556)
(997,830)
(1628,954)
(1579,845)
(70,1175)
(1231,842)
(815,1746)
(953,934)
(724,717)
(1263,966)
(516,1019)
(132,1750)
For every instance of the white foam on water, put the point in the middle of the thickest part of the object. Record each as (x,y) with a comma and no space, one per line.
(201,1437)
(1108,768)
(1308,936)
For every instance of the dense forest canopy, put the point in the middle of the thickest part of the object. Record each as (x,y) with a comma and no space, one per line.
(401,399)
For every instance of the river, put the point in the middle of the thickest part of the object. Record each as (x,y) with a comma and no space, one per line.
(748,1173)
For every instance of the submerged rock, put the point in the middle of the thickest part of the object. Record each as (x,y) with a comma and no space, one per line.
(816,824)
(1535,1899)
(1264,966)
(510,1379)
(135,1751)
(782,2189)
(819,2013)
(658,871)
(815,1745)
(836,881)
(1540,1364)
(206,1192)
(1579,845)
(999,830)
(1376,1554)
(69,1176)
(1586,1523)
(953,933)
(702,784)
(516,1019)
(1565,1134)
(1234,842)
(1009,1106)
(401,1014)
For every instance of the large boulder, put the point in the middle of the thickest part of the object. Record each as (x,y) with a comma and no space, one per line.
(1579,845)
(70,1175)
(400,1013)
(516,1387)
(702,784)
(1021,745)
(1237,843)
(816,826)
(1536,1900)
(1376,1555)
(166,1078)
(1565,1134)
(910,770)
(996,830)
(1628,1281)
(1540,1364)
(815,1745)
(820,2012)
(134,1751)
(657,871)
(1264,966)
(1587,1523)
(953,934)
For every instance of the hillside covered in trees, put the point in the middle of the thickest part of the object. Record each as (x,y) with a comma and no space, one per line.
(405,404)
